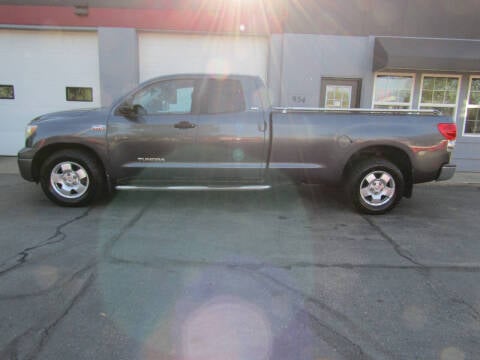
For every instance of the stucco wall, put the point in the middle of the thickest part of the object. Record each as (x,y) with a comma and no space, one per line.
(308,58)
(118,59)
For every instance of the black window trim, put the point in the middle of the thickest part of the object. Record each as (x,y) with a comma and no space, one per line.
(13,92)
(79,87)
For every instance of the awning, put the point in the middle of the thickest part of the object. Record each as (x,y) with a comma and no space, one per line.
(395,53)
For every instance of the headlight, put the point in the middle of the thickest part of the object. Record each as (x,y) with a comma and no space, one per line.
(30,130)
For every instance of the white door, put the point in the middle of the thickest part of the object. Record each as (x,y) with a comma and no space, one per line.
(165,54)
(40,65)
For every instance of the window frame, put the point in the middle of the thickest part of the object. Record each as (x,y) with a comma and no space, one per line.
(438,75)
(78,87)
(13,91)
(355,83)
(468,106)
(398,74)
(206,94)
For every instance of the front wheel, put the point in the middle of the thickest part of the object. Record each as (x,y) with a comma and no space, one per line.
(375,186)
(71,178)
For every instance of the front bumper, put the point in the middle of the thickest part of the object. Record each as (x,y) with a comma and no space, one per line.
(446,172)
(25,163)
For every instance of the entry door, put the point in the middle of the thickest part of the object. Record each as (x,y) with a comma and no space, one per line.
(157,142)
(231,134)
(340,93)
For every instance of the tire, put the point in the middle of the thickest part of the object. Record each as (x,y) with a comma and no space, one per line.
(375,186)
(72,178)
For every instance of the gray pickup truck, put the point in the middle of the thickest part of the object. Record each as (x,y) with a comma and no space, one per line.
(212,132)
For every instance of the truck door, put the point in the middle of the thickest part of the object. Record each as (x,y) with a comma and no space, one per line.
(231,133)
(154,138)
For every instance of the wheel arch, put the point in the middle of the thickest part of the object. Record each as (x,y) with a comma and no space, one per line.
(50,149)
(395,155)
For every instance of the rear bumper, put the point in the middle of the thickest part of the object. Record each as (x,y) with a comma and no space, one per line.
(446,172)
(25,162)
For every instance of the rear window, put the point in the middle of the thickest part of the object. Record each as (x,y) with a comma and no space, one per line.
(225,96)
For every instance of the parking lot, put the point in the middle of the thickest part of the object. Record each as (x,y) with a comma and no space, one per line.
(291,273)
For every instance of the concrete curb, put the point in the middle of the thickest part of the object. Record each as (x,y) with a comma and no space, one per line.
(8,165)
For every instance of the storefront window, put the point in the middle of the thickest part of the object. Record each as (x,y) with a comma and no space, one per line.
(338,96)
(472,121)
(440,93)
(393,91)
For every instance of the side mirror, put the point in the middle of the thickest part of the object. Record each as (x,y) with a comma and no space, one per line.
(126,110)
(131,112)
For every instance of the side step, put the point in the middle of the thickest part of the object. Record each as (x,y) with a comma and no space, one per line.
(193,188)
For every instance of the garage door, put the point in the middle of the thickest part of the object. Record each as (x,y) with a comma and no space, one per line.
(35,73)
(162,54)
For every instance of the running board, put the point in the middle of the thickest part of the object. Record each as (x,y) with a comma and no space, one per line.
(194,188)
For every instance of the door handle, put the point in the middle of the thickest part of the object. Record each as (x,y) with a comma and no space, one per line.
(262,126)
(184,125)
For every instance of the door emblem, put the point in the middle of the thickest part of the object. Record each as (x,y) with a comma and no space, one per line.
(98,128)
(150,159)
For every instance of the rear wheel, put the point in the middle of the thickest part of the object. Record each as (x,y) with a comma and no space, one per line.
(71,178)
(375,186)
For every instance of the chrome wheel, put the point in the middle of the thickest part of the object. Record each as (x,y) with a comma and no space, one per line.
(377,188)
(69,180)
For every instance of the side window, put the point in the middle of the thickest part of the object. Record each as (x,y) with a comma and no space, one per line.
(225,96)
(166,97)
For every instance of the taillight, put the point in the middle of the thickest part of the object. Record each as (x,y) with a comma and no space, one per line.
(448,130)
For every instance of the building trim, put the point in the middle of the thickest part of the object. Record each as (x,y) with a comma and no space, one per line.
(46,28)
(256,20)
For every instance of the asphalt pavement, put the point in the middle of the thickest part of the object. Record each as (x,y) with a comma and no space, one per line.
(291,273)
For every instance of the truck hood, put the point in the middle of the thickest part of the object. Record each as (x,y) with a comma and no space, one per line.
(73,115)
